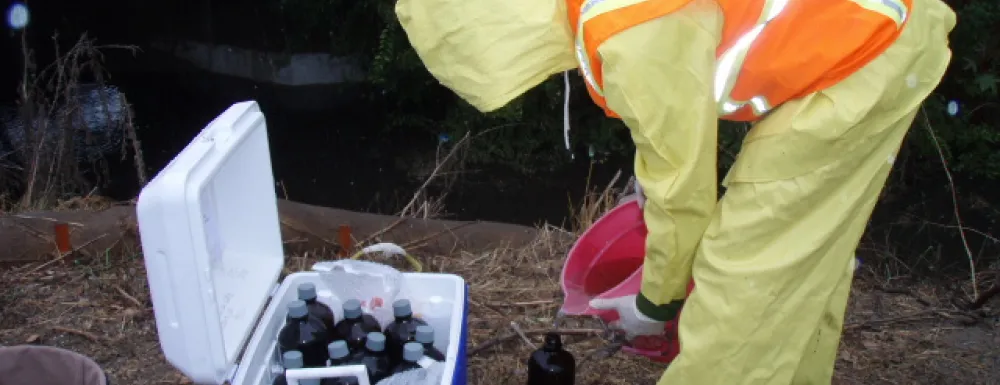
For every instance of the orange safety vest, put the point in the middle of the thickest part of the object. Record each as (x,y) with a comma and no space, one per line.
(772,51)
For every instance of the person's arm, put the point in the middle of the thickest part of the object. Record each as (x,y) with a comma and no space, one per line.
(658,77)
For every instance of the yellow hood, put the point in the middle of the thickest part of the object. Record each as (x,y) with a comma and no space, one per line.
(489,51)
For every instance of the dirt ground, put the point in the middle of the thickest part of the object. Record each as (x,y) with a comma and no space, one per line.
(896,332)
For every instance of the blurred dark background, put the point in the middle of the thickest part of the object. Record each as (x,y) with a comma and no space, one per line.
(356,122)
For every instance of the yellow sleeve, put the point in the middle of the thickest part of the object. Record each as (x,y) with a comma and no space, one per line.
(658,78)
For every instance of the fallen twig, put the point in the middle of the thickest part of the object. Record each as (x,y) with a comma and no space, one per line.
(22,216)
(527,303)
(380,232)
(498,340)
(421,241)
(517,329)
(437,168)
(489,306)
(964,316)
(90,336)
(129,297)
(985,297)
(38,234)
(61,257)
(306,231)
(907,292)
(981,233)
(884,321)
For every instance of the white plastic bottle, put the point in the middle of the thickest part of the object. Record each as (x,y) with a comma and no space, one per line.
(437,313)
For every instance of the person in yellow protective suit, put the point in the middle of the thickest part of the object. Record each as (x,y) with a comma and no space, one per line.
(831,91)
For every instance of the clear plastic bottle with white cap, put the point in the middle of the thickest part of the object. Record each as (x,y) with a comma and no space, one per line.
(436,312)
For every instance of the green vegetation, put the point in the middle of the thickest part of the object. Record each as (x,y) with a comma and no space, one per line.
(531,135)
(527,134)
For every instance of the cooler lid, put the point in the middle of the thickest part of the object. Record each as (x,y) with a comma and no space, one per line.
(212,243)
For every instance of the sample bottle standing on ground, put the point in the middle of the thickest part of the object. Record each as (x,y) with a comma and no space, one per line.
(550,364)
(355,326)
(375,358)
(401,330)
(425,336)
(340,354)
(305,333)
(292,359)
(307,293)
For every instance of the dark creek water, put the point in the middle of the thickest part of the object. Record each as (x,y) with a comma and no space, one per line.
(329,156)
(332,158)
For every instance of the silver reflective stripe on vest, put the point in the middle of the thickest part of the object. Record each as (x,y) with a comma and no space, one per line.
(589,10)
(895,10)
(581,50)
(731,63)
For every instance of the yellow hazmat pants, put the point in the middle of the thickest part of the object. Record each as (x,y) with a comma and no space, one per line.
(773,260)
(773,269)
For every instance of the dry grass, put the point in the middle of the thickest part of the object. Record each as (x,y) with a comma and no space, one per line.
(447,167)
(519,289)
(911,333)
(47,166)
(897,332)
(596,202)
(98,305)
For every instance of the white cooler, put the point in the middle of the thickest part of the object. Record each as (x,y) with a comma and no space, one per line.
(212,245)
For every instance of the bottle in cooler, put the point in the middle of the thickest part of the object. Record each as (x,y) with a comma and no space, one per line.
(413,358)
(401,330)
(340,354)
(305,333)
(292,359)
(355,326)
(375,357)
(425,336)
(307,293)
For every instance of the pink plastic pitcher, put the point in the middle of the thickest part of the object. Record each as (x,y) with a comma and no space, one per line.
(606,262)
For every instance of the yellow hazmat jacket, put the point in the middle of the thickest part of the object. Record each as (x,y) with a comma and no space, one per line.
(772,261)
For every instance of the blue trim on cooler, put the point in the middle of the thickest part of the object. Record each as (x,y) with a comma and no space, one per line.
(461,362)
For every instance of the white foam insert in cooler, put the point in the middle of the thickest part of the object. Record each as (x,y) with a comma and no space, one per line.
(261,353)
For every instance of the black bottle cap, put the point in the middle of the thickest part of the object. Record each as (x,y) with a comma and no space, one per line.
(553,341)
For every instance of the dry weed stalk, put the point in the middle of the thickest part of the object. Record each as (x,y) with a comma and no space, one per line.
(425,207)
(954,201)
(48,97)
(594,204)
(429,208)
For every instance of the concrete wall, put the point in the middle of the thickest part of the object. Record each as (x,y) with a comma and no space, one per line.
(305,69)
